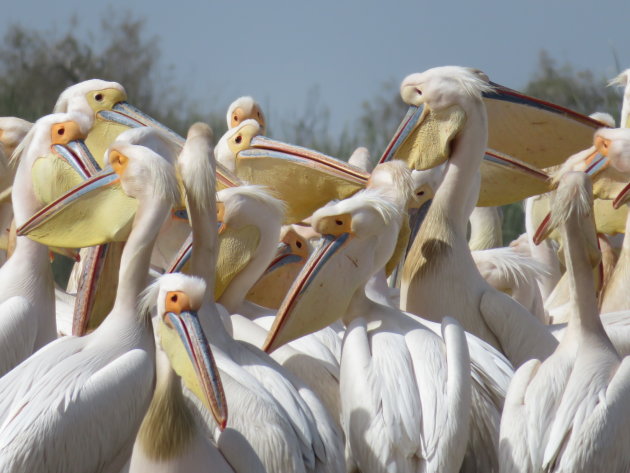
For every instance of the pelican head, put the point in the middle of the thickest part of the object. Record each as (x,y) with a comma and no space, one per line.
(615,142)
(245,108)
(196,170)
(573,200)
(12,132)
(359,237)
(234,140)
(179,298)
(438,100)
(107,103)
(91,96)
(49,133)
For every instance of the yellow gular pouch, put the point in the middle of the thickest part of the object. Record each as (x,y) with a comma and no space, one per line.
(102,134)
(305,188)
(429,145)
(609,183)
(53,177)
(98,217)
(236,249)
(180,361)
(609,220)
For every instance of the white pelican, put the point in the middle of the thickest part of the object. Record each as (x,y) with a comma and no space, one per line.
(282,419)
(439,276)
(171,439)
(76,405)
(570,412)
(245,108)
(251,221)
(615,296)
(490,371)
(27,310)
(405,390)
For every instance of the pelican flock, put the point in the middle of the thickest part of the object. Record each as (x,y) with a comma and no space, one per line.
(249,305)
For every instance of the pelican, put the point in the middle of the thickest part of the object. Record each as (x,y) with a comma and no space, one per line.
(170,438)
(439,276)
(490,371)
(569,412)
(12,131)
(615,296)
(282,419)
(245,108)
(27,309)
(76,404)
(405,391)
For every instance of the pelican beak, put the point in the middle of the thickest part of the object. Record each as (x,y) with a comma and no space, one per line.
(84,303)
(129,116)
(93,213)
(505,179)
(284,256)
(623,197)
(188,327)
(544,230)
(423,139)
(304,178)
(326,278)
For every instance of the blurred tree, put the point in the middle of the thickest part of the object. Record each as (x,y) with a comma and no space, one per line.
(579,90)
(35,67)
(310,129)
(380,118)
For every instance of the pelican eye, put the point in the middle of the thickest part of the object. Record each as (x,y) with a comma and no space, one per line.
(238,139)
(298,244)
(174,298)
(61,131)
(235,118)
(419,91)
(420,193)
(339,222)
(98,97)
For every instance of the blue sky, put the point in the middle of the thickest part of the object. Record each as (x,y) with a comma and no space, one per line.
(278,51)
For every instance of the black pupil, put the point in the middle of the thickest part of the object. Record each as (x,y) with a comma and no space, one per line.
(98,97)
(61,131)
(298,244)
(339,222)
(239,139)
(419,91)
(174,298)
(420,193)
(235,117)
